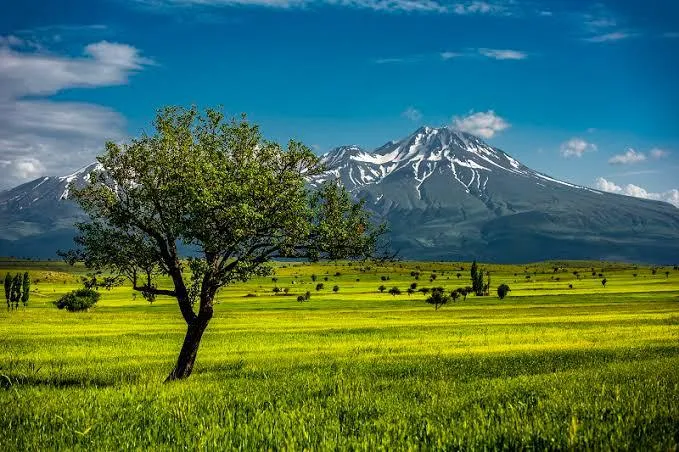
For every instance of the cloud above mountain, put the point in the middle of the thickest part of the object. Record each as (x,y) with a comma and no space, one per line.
(43,136)
(576,147)
(628,158)
(670,196)
(483,124)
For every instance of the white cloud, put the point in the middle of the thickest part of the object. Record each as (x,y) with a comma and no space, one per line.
(42,136)
(450,55)
(670,196)
(503,54)
(480,7)
(629,157)
(611,37)
(576,147)
(429,6)
(37,73)
(412,114)
(483,124)
(658,153)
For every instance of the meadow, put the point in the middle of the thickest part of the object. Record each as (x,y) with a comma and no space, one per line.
(549,367)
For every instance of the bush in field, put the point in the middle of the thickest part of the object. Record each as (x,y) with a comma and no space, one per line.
(413,286)
(454,295)
(503,290)
(603,282)
(78,300)
(410,291)
(395,291)
(382,288)
(320,286)
(301,298)
(335,289)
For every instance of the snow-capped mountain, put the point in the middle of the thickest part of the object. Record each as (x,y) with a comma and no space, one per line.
(445,194)
(466,158)
(37,217)
(448,194)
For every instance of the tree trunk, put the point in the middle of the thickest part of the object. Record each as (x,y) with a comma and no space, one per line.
(187,355)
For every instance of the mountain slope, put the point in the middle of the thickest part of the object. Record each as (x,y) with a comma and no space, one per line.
(448,195)
(445,194)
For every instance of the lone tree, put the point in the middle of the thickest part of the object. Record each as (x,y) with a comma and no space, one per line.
(215,187)
(503,290)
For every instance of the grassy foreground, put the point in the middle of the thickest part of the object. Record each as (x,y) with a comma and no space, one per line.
(550,367)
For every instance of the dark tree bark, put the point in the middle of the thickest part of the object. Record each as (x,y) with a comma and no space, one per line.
(189,351)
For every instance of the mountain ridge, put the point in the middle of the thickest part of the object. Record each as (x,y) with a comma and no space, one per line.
(445,194)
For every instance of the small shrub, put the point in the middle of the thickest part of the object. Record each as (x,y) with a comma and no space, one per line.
(319,286)
(382,288)
(78,300)
(395,291)
(335,289)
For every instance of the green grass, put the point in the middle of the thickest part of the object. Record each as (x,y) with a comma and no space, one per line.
(549,367)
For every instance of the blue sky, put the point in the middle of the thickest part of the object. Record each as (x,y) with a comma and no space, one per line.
(578,90)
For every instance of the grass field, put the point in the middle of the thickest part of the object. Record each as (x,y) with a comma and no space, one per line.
(549,367)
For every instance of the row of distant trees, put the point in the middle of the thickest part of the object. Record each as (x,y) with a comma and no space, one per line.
(17,289)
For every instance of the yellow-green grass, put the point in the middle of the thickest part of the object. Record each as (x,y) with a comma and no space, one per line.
(549,367)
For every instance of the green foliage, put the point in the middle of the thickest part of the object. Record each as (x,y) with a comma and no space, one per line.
(503,290)
(382,288)
(15,290)
(219,187)
(335,288)
(438,298)
(78,300)
(8,289)
(395,291)
(320,286)
(25,289)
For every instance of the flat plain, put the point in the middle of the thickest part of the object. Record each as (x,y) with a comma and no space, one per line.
(549,367)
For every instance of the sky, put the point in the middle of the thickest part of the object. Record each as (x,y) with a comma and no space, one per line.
(585,92)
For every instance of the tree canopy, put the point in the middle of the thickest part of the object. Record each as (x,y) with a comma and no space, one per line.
(218,191)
